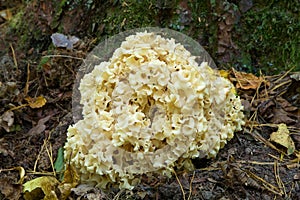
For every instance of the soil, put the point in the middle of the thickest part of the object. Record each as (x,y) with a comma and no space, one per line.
(32,131)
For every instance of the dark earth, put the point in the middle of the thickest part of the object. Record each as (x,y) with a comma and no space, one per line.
(37,77)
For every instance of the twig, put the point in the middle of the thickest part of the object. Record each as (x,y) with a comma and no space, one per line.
(263,140)
(191,186)
(14,55)
(50,155)
(18,107)
(266,185)
(40,173)
(284,75)
(279,85)
(254,162)
(180,185)
(278,179)
(62,56)
(27,81)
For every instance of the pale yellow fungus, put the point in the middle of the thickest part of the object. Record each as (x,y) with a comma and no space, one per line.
(149,108)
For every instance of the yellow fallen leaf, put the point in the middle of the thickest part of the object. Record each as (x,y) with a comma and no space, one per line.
(224,73)
(282,137)
(71,180)
(41,188)
(37,102)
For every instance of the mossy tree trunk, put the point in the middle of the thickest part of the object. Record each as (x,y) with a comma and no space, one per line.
(251,36)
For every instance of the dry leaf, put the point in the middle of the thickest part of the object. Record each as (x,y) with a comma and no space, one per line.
(282,137)
(37,102)
(287,106)
(6,14)
(295,162)
(247,81)
(82,189)
(88,192)
(40,127)
(281,116)
(7,120)
(71,180)
(264,105)
(5,150)
(41,188)
(9,188)
(295,76)
(297,177)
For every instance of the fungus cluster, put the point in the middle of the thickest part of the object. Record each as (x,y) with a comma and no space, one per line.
(150,108)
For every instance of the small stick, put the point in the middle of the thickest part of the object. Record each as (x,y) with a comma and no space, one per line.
(191,185)
(180,185)
(14,55)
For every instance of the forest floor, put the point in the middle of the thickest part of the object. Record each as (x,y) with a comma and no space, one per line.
(36,110)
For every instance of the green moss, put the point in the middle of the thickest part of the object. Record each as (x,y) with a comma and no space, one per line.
(267,36)
(59,9)
(125,15)
(131,14)
(270,37)
(203,26)
(24,27)
(16,20)
(43,61)
(17,27)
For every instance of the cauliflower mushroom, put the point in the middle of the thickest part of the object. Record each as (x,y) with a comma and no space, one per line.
(149,108)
